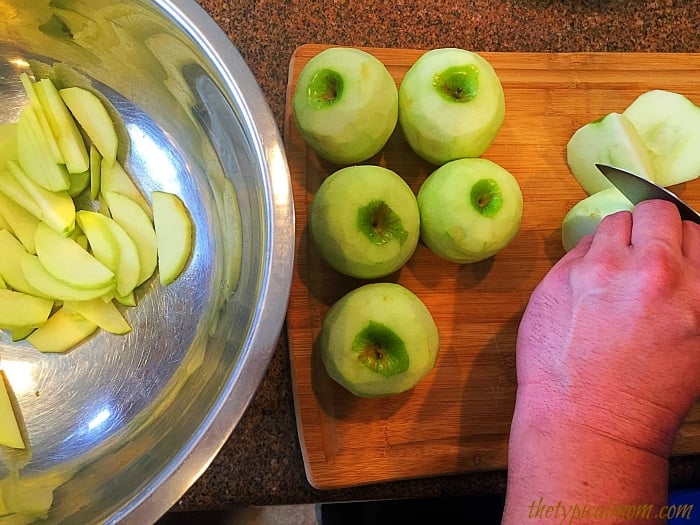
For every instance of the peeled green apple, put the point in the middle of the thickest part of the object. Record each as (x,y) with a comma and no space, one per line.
(470,209)
(10,434)
(364,221)
(612,140)
(345,105)
(669,125)
(583,218)
(379,339)
(451,105)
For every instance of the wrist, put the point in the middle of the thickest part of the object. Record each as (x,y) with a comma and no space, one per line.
(622,419)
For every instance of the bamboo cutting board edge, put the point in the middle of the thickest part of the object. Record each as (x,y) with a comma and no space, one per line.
(347,441)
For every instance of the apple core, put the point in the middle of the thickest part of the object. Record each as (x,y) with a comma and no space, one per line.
(458,83)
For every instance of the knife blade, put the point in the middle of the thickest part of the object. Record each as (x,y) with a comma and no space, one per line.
(638,189)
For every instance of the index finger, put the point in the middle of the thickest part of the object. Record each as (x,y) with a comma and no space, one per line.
(656,221)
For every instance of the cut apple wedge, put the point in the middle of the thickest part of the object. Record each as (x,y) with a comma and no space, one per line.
(94,118)
(95,168)
(42,128)
(8,142)
(113,247)
(57,209)
(11,187)
(48,286)
(174,230)
(103,313)
(21,309)
(34,155)
(61,332)
(129,215)
(65,130)
(12,252)
(19,221)
(114,179)
(67,261)
(78,183)
(10,434)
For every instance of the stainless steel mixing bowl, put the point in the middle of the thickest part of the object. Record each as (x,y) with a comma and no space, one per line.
(120,427)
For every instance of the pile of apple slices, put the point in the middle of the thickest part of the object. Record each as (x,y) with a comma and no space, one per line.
(655,137)
(64,270)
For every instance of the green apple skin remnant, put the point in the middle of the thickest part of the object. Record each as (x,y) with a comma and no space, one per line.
(451,105)
(364,221)
(379,339)
(470,209)
(345,105)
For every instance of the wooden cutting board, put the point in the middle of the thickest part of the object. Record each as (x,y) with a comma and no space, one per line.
(458,418)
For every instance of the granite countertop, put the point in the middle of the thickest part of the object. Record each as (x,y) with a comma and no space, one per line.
(261,464)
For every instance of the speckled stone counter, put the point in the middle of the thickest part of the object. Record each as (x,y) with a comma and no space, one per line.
(261,463)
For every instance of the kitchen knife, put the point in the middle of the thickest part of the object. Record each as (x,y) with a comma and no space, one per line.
(638,189)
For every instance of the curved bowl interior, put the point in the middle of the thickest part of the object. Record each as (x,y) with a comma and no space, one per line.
(121,426)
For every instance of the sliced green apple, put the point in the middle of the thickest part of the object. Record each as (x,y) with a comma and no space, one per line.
(94,118)
(95,167)
(669,125)
(21,309)
(113,247)
(8,142)
(129,215)
(42,128)
(10,434)
(173,234)
(12,252)
(11,187)
(611,140)
(20,222)
(61,332)
(103,313)
(114,179)
(57,208)
(47,285)
(65,130)
(78,183)
(67,261)
(583,218)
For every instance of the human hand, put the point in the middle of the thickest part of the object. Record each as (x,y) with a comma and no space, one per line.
(610,339)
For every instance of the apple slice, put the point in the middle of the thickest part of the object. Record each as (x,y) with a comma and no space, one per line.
(612,140)
(57,209)
(21,309)
(129,215)
(48,286)
(669,124)
(67,261)
(8,142)
(583,218)
(114,179)
(34,156)
(20,222)
(95,167)
(65,130)
(12,252)
(11,187)
(61,332)
(113,247)
(78,183)
(173,234)
(42,128)
(103,313)
(92,115)
(10,434)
